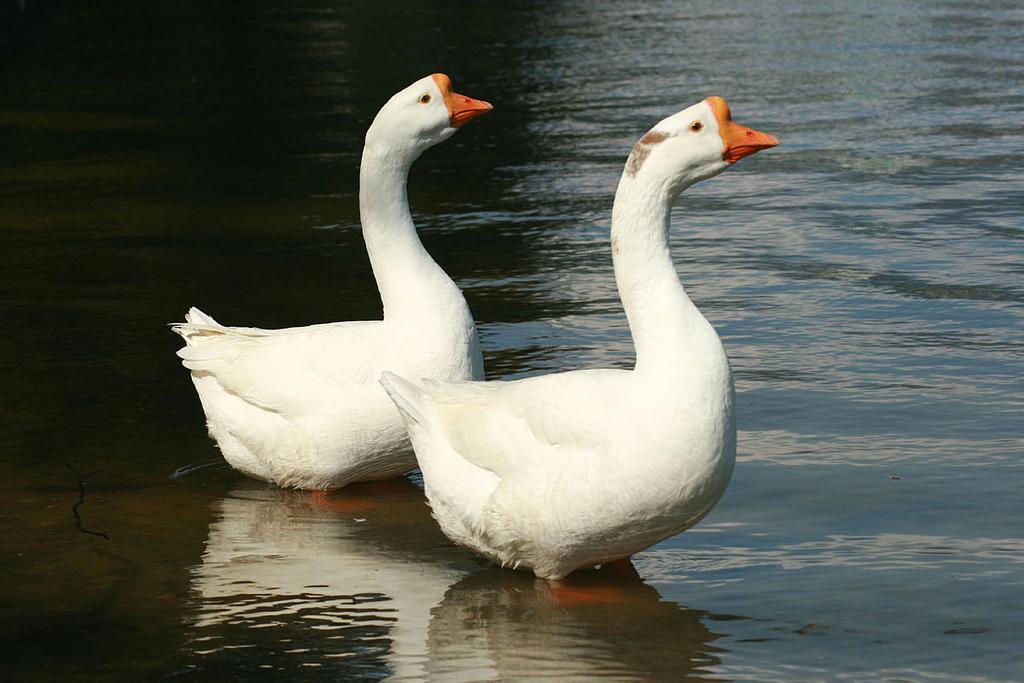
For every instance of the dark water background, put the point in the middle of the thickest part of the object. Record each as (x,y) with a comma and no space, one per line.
(866,277)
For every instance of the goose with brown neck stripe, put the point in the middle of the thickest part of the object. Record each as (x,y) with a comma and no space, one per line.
(301,406)
(569,470)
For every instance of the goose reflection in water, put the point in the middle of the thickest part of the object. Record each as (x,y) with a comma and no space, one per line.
(342,587)
(502,625)
(364,585)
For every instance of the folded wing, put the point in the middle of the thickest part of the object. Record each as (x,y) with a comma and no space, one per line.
(506,427)
(289,371)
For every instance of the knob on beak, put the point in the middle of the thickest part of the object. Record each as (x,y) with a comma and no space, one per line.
(738,141)
(461,109)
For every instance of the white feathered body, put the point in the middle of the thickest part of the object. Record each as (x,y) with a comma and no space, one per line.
(302,407)
(510,473)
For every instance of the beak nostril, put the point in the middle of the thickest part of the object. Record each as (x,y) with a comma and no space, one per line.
(750,133)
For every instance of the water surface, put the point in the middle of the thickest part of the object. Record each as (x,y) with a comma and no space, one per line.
(865,277)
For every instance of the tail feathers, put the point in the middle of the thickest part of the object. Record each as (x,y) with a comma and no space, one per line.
(197,317)
(406,395)
(197,324)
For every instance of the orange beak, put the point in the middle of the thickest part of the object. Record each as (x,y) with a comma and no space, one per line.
(739,141)
(461,109)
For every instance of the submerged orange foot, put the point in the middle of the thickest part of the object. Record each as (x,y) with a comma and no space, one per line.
(342,503)
(567,595)
(363,496)
(590,587)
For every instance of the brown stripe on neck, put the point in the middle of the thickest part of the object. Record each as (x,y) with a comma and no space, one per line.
(641,150)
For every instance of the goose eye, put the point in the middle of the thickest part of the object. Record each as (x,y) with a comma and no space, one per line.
(425,98)
(696,127)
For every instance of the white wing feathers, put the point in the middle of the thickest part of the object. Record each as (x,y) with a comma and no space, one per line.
(505,427)
(406,395)
(288,371)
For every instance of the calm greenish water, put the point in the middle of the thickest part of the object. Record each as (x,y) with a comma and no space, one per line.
(866,277)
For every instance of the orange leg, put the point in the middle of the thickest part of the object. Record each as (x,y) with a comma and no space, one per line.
(342,503)
(588,587)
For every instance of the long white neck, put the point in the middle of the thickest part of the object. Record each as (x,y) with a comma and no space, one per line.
(673,340)
(409,280)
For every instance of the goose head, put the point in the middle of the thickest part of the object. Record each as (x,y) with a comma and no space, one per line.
(420,116)
(695,144)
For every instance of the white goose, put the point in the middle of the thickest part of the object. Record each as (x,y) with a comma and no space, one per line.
(301,406)
(568,470)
